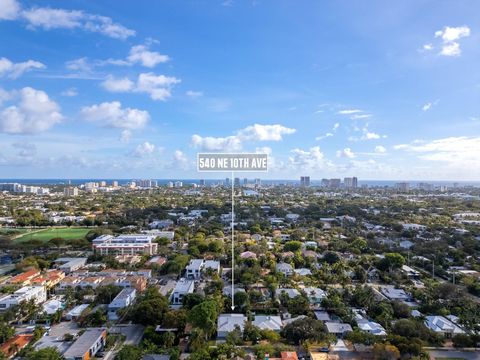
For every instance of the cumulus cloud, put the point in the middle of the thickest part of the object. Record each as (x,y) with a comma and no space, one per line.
(14,70)
(449,38)
(9,9)
(259,132)
(229,143)
(141,54)
(111,114)
(34,112)
(157,86)
(48,18)
(312,159)
(461,152)
(144,149)
(256,132)
(118,84)
(379,149)
(346,153)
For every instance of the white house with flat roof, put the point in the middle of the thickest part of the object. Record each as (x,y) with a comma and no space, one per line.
(26,293)
(182,288)
(193,271)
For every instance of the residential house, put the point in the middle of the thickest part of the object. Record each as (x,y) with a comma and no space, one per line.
(228,322)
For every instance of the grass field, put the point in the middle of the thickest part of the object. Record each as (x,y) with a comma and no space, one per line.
(50,233)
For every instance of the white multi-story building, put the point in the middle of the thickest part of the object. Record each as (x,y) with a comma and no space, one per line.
(125,244)
(27,293)
(182,288)
(122,300)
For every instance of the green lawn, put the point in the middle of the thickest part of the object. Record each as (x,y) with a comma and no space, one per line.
(50,233)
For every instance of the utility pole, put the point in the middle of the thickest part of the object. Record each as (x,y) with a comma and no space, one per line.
(233,243)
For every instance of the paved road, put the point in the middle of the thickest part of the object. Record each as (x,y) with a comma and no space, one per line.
(133,333)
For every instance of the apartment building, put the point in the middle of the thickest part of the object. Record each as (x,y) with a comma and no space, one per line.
(27,293)
(125,244)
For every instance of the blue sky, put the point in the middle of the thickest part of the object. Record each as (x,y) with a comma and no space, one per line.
(329,89)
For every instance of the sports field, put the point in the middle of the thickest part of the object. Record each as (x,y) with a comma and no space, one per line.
(50,233)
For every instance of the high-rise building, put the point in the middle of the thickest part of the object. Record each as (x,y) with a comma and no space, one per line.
(335,183)
(245,181)
(115,183)
(304,181)
(178,184)
(103,183)
(403,186)
(350,182)
(325,183)
(258,182)
(70,191)
(227,181)
(237,182)
(202,182)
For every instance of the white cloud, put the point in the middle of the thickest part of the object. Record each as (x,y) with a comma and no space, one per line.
(80,65)
(48,18)
(329,134)
(450,37)
(229,143)
(111,114)
(14,70)
(144,149)
(118,85)
(157,86)
(428,47)
(194,94)
(259,132)
(427,106)
(449,34)
(457,152)
(354,114)
(256,132)
(347,153)
(125,135)
(179,156)
(141,54)
(33,113)
(349,111)
(370,135)
(70,92)
(9,9)
(379,149)
(360,116)
(264,150)
(312,159)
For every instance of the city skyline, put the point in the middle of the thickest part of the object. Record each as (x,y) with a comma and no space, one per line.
(92,90)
